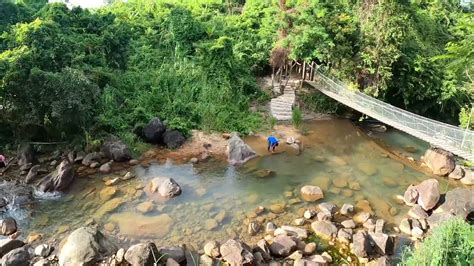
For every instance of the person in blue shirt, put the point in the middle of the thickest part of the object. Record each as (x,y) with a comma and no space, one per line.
(272,143)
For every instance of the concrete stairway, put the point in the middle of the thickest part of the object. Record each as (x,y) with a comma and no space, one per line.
(281,107)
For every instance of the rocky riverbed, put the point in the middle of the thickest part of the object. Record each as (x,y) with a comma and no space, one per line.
(310,204)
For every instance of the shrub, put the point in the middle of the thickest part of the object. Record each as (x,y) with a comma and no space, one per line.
(452,243)
(297,117)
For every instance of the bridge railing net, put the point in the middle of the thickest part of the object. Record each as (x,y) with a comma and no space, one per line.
(441,133)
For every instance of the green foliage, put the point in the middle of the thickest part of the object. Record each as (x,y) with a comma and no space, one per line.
(452,243)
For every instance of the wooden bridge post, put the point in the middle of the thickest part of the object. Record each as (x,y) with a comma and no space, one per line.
(304,70)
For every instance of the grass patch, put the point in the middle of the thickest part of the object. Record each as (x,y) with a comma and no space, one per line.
(452,243)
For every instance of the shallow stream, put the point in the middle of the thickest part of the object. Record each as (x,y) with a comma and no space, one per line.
(219,200)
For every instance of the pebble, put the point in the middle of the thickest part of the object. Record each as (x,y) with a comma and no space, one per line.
(310,248)
(299,221)
(43,250)
(270,227)
(308,214)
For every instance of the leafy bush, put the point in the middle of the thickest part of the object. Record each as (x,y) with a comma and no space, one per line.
(452,243)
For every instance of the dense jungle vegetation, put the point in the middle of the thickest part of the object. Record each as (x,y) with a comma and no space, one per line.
(70,74)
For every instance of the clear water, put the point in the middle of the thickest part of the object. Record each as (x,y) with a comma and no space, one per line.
(219,200)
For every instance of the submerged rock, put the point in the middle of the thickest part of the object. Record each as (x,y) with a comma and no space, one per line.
(311,193)
(163,187)
(238,152)
(136,225)
(59,180)
(85,245)
(439,161)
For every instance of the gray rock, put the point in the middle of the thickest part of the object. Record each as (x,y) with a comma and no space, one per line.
(308,214)
(324,229)
(411,196)
(120,255)
(115,149)
(436,219)
(8,226)
(439,161)
(41,262)
(417,212)
(165,187)
(350,224)
(300,233)
(297,255)
(457,173)
(310,248)
(211,249)
(323,216)
(311,193)
(381,261)
(16,257)
(405,226)
(238,152)
(173,139)
(344,235)
(142,254)
(59,180)
(85,245)
(379,224)
(43,250)
(328,208)
(468,178)
(153,131)
(235,252)
(361,245)
(32,174)
(253,228)
(175,253)
(79,157)
(428,192)
(347,209)
(384,244)
(263,249)
(105,168)
(7,245)
(91,158)
(369,225)
(15,195)
(282,246)
(270,227)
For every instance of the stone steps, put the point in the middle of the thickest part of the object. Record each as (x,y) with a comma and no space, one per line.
(281,107)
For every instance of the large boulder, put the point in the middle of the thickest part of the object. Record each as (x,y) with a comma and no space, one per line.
(7,245)
(324,229)
(458,202)
(16,257)
(153,131)
(92,157)
(428,194)
(142,254)
(85,246)
(59,180)
(361,244)
(163,188)
(116,150)
(173,139)
(383,243)
(282,246)
(238,152)
(439,161)
(8,226)
(32,174)
(235,252)
(311,193)
(26,154)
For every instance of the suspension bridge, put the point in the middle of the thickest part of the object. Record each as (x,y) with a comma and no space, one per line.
(454,139)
